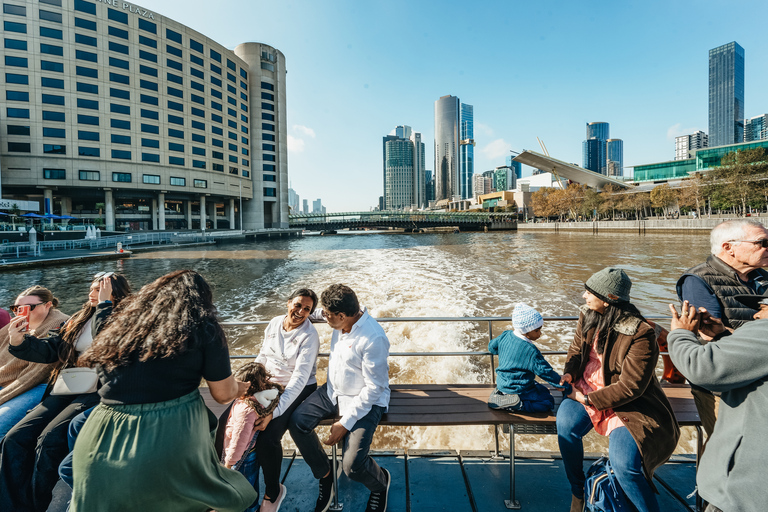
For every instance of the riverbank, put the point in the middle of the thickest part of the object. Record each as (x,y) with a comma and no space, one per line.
(647,226)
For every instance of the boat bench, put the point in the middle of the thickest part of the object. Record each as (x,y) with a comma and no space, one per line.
(441,405)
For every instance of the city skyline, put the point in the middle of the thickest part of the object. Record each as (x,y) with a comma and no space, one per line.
(344,80)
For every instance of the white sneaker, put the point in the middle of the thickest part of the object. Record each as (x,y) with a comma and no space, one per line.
(268,506)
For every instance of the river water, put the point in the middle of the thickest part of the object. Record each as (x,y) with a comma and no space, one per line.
(419,275)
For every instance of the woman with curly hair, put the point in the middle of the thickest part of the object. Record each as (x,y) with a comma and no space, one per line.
(148,445)
(32,450)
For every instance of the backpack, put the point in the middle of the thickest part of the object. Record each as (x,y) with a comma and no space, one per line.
(602,492)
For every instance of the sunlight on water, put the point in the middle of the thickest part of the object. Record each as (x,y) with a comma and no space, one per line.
(425,275)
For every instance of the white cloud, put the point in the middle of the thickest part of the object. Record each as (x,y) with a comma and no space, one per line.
(677,130)
(483,129)
(496,149)
(304,130)
(295,145)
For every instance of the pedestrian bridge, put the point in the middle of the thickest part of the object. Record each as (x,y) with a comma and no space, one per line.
(410,221)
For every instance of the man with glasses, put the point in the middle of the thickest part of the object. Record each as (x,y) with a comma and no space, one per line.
(357,390)
(736,267)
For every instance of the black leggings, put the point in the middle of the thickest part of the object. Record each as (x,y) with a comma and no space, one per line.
(31,452)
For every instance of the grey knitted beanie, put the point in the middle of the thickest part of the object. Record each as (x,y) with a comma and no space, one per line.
(611,284)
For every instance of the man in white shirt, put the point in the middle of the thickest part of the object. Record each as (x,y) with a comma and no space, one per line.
(357,389)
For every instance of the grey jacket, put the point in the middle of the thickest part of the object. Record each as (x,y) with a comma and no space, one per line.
(733,469)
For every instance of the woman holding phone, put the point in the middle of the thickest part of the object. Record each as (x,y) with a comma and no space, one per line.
(31,451)
(22,383)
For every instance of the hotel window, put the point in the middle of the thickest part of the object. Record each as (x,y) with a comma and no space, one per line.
(216,93)
(117,47)
(174,64)
(215,55)
(57,3)
(13,78)
(200,183)
(233,158)
(147,84)
(18,113)
(268,167)
(147,70)
(196,137)
(147,41)
(17,96)
(15,44)
(198,47)
(267,66)
(119,16)
(267,86)
(120,124)
(173,146)
(218,167)
(149,100)
(18,10)
(216,117)
(150,143)
(17,130)
(172,77)
(244,140)
(119,109)
(173,50)
(267,106)
(197,125)
(84,151)
(51,33)
(179,182)
(231,77)
(87,72)
(197,73)
(268,147)
(53,116)
(86,24)
(246,174)
(118,63)
(18,62)
(268,96)
(89,88)
(88,56)
(53,83)
(90,176)
(122,177)
(86,135)
(198,151)
(122,155)
(270,192)
(268,127)
(55,149)
(197,60)
(197,112)
(267,136)
(151,57)
(215,81)
(119,93)
(87,40)
(91,104)
(50,16)
(217,142)
(19,147)
(175,92)
(120,139)
(243,85)
(218,155)
(52,99)
(173,35)
(117,32)
(51,49)
(269,158)
(267,117)
(175,160)
(217,130)
(233,147)
(197,85)
(150,157)
(197,99)
(270,177)
(243,73)
(231,88)
(54,174)
(120,79)
(148,128)
(150,114)
(12,26)
(147,26)
(198,164)
(175,133)
(151,179)
(233,170)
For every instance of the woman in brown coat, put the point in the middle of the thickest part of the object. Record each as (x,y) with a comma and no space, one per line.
(611,364)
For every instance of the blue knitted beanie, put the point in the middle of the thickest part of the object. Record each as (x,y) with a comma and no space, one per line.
(526,318)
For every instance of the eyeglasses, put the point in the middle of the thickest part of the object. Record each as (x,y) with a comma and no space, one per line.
(102,275)
(32,307)
(326,313)
(763,242)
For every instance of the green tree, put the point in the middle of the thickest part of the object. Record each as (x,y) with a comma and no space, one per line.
(735,181)
(663,197)
(541,204)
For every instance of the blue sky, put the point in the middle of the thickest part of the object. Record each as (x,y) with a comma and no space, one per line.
(358,69)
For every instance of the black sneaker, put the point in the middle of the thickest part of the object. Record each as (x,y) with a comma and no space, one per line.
(325,496)
(378,500)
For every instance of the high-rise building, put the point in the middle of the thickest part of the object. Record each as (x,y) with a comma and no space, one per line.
(404,163)
(492,176)
(317,206)
(293,200)
(756,128)
(454,148)
(684,144)
(429,187)
(726,94)
(517,167)
(594,148)
(386,139)
(143,114)
(482,184)
(504,178)
(305,207)
(614,151)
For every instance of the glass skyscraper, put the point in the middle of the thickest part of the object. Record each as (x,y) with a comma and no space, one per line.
(404,180)
(726,94)
(594,148)
(756,128)
(614,150)
(454,148)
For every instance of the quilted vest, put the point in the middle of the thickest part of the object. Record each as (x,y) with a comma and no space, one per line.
(725,283)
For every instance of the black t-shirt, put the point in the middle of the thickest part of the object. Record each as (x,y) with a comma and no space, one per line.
(162,379)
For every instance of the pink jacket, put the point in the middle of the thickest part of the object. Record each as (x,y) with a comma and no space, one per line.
(239,431)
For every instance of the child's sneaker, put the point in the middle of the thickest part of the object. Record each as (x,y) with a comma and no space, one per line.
(499,400)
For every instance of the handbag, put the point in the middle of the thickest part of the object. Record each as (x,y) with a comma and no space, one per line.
(75,381)
(602,492)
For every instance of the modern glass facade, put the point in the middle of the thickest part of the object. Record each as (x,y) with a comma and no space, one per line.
(446,147)
(108,102)
(598,130)
(594,156)
(404,179)
(726,95)
(466,151)
(614,150)
(756,128)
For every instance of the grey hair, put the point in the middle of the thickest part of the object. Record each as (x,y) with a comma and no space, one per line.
(730,230)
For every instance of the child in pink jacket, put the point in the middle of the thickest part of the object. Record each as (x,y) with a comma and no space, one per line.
(260,400)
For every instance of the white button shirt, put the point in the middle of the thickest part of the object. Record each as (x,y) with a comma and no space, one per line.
(358,371)
(291,358)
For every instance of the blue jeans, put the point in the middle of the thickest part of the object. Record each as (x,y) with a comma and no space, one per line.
(65,468)
(250,470)
(12,411)
(573,424)
(538,399)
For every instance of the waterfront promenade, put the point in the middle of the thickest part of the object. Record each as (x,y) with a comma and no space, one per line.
(645,226)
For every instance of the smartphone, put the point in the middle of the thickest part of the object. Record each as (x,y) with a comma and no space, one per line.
(24,311)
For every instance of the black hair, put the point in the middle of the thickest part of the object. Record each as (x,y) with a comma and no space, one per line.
(305,292)
(339,298)
(605,321)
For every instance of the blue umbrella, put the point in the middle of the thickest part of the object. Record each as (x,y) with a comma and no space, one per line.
(51,216)
(32,214)
(68,217)
(6,214)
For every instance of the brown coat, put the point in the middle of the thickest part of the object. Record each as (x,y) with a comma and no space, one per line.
(18,376)
(631,387)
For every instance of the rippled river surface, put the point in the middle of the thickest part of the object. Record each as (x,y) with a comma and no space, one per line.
(421,275)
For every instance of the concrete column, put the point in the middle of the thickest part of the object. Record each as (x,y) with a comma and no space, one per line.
(66,205)
(188,207)
(231,214)
(109,209)
(154,214)
(202,211)
(161,210)
(212,213)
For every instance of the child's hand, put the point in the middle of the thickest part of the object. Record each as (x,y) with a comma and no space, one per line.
(566,378)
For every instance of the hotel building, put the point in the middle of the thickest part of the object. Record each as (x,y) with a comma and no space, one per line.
(114,111)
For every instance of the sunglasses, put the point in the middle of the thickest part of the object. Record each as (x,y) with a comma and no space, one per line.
(102,275)
(32,307)
(763,242)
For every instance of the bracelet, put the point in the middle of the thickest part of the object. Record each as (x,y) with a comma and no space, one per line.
(586,400)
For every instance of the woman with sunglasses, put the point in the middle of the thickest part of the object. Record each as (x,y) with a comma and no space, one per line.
(22,383)
(31,451)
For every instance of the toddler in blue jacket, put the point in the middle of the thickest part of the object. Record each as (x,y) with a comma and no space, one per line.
(520,361)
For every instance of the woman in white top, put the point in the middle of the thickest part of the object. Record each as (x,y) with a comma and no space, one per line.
(289,353)
(31,451)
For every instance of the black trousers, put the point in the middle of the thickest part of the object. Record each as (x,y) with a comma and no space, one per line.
(269,451)
(31,452)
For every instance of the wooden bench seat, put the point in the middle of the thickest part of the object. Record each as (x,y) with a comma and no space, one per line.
(435,405)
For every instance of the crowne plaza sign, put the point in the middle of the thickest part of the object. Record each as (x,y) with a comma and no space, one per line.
(134,9)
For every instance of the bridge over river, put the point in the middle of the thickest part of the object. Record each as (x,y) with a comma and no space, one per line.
(409,221)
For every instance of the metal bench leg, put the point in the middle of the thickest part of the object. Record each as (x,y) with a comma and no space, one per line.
(336,505)
(512,503)
(699,450)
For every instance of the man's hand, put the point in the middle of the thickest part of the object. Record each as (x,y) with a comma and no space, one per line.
(567,377)
(709,325)
(688,319)
(263,422)
(337,434)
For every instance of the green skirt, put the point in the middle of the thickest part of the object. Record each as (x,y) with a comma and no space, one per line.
(154,457)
